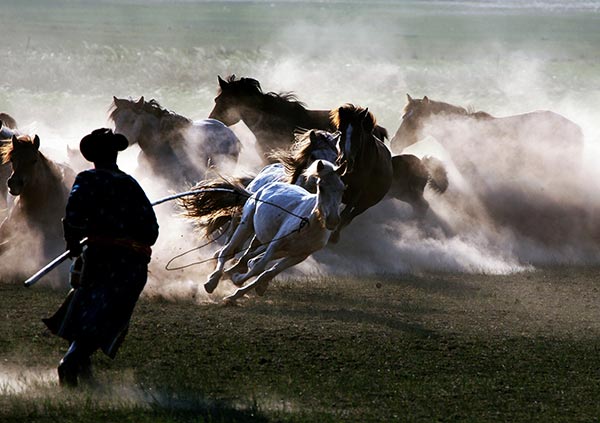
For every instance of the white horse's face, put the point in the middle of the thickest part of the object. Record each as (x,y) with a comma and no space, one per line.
(332,189)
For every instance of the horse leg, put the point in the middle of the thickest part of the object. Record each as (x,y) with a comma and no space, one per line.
(244,230)
(345,218)
(419,204)
(254,249)
(261,283)
(257,266)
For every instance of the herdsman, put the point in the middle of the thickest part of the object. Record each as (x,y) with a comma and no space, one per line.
(109,208)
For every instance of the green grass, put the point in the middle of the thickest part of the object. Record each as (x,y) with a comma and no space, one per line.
(430,348)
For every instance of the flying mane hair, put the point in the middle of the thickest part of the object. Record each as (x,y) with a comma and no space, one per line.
(170,119)
(347,109)
(273,100)
(6,149)
(294,159)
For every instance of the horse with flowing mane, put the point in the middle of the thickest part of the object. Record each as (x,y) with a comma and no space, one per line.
(42,188)
(272,117)
(369,172)
(287,238)
(172,145)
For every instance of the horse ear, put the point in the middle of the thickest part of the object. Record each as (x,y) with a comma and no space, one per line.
(312,135)
(222,83)
(320,166)
(36,142)
(409,98)
(341,169)
(14,141)
(425,100)
(140,102)
(366,121)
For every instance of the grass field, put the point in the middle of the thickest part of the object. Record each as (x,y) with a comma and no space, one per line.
(436,347)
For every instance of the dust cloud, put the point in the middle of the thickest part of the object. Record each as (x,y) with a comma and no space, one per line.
(496,217)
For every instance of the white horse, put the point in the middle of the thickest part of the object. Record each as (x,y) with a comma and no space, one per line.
(289,222)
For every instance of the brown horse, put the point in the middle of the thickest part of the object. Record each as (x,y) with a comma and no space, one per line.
(272,117)
(540,141)
(369,169)
(42,188)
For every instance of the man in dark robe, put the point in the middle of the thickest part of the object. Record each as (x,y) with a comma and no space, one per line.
(110,209)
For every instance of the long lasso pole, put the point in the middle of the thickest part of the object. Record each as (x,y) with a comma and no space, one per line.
(58,260)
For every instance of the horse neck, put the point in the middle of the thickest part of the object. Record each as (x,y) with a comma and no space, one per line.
(45,186)
(320,210)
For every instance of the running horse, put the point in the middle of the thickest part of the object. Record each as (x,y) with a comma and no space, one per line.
(173,146)
(369,169)
(42,188)
(521,169)
(285,238)
(273,118)
(219,204)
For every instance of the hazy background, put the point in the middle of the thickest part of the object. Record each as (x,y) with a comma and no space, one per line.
(62,61)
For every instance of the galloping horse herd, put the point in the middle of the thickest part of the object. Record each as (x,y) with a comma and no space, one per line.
(322,168)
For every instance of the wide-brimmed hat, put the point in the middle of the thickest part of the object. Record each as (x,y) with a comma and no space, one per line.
(102,144)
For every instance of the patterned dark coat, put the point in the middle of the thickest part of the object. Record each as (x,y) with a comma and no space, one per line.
(111,209)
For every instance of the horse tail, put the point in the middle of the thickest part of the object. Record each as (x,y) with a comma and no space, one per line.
(218,203)
(438,177)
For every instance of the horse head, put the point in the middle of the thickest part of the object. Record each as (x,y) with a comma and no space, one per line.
(130,119)
(23,154)
(412,122)
(355,124)
(234,97)
(330,189)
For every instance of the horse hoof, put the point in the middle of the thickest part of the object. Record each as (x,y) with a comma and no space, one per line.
(212,283)
(261,288)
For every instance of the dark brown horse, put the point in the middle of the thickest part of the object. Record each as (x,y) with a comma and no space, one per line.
(369,170)
(41,187)
(272,117)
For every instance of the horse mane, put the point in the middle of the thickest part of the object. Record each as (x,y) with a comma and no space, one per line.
(294,159)
(170,120)
(337,115)
(272,100)
(6,149)
(437,107)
